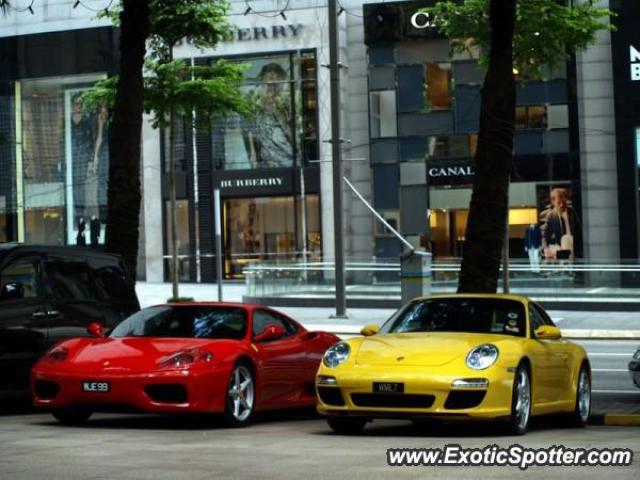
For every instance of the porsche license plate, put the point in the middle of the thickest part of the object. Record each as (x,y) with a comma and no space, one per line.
(387,387)
(97,387)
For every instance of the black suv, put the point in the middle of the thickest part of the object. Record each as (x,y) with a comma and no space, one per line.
(48,294)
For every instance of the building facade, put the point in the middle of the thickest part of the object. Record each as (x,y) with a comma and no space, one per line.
(409,116)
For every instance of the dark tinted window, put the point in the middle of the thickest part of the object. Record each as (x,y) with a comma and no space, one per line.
(112,283)
(472,315)
(26,272)
(185,322)
(70,280)
(546,319)
(535,318)
(262,319)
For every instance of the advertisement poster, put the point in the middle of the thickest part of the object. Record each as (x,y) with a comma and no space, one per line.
(266,140)
(87,169)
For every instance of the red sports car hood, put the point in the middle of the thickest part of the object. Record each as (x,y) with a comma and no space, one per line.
(129,354)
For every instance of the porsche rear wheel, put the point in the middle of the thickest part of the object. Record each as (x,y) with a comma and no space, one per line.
(71,416)
(240,396)
(582,409)
(520,401)
(346,426)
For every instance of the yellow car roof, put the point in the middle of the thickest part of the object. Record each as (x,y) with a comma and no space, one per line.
(498,296)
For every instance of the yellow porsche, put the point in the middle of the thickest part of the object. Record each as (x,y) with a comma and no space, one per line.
(493,357)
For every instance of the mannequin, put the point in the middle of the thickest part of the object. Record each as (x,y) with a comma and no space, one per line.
(532,245)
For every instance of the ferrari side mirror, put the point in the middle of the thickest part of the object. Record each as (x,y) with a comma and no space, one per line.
(95,329)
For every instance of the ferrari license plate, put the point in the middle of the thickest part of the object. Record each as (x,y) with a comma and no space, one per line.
(97,387)
(387,387)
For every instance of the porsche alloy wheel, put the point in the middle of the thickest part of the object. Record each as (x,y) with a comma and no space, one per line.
(581,412)
(521,402)
(240,396)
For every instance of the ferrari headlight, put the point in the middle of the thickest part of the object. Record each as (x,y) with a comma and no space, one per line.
(57,355)
(185,359)
(482,356)
(336,355)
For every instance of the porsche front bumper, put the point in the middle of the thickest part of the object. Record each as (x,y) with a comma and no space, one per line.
(427,391)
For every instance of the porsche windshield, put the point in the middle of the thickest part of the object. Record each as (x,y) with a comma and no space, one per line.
(187,321)
(471,315)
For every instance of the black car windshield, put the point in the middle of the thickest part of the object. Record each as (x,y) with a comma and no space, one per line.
(188,321)
(471,315)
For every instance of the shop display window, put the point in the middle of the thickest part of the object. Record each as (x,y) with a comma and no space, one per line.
(383,116)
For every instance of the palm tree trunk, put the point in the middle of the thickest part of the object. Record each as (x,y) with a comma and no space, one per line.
(124,197)
(485,236)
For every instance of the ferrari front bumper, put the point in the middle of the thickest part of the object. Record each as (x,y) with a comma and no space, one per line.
(168,391)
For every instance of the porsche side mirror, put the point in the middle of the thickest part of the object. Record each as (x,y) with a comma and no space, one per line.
(11,291)
(95,329)
(547,332)
(271,332)
(370,330)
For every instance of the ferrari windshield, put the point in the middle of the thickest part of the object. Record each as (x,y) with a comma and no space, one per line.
(188,321)
(471,315)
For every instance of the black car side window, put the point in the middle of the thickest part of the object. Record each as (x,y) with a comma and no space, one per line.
(23,274)
(70,280)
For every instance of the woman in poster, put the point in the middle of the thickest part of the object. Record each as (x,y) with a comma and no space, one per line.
(558,227)
(89,154)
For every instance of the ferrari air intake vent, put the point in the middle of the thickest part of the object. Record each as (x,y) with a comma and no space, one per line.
(46,390)
(392,400)
(331,396)
(459,400)
(167,393)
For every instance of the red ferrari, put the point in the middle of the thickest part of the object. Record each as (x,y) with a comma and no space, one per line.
(228,358)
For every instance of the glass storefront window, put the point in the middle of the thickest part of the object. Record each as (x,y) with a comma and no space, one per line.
(383,116)
(283,130)
(533,117)
(451,147)
(438,86)
(62,155)
(268,228)
(183,244)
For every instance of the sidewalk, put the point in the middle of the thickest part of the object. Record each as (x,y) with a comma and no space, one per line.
(572,323)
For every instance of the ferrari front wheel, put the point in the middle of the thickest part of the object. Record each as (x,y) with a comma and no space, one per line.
(346,426)
(520,401)
(71,416)
(240,396)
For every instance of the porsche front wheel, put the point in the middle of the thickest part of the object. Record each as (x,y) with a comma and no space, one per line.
(71,416)
(240,397)
(582,409)
(520,401)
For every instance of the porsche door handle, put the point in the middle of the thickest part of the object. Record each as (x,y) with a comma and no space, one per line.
(39,314)
(53,313)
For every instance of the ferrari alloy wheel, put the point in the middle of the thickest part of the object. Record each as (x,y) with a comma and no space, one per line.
(520,402)
(71,416)
(240,396)
(582,409)
(346,426)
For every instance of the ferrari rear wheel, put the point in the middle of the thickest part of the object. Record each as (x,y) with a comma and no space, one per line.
(582,409)
(240,396)
(71,416)
(520,401)
(346,426)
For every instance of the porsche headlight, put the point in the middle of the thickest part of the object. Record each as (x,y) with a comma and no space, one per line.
(336,355)
(482,356)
